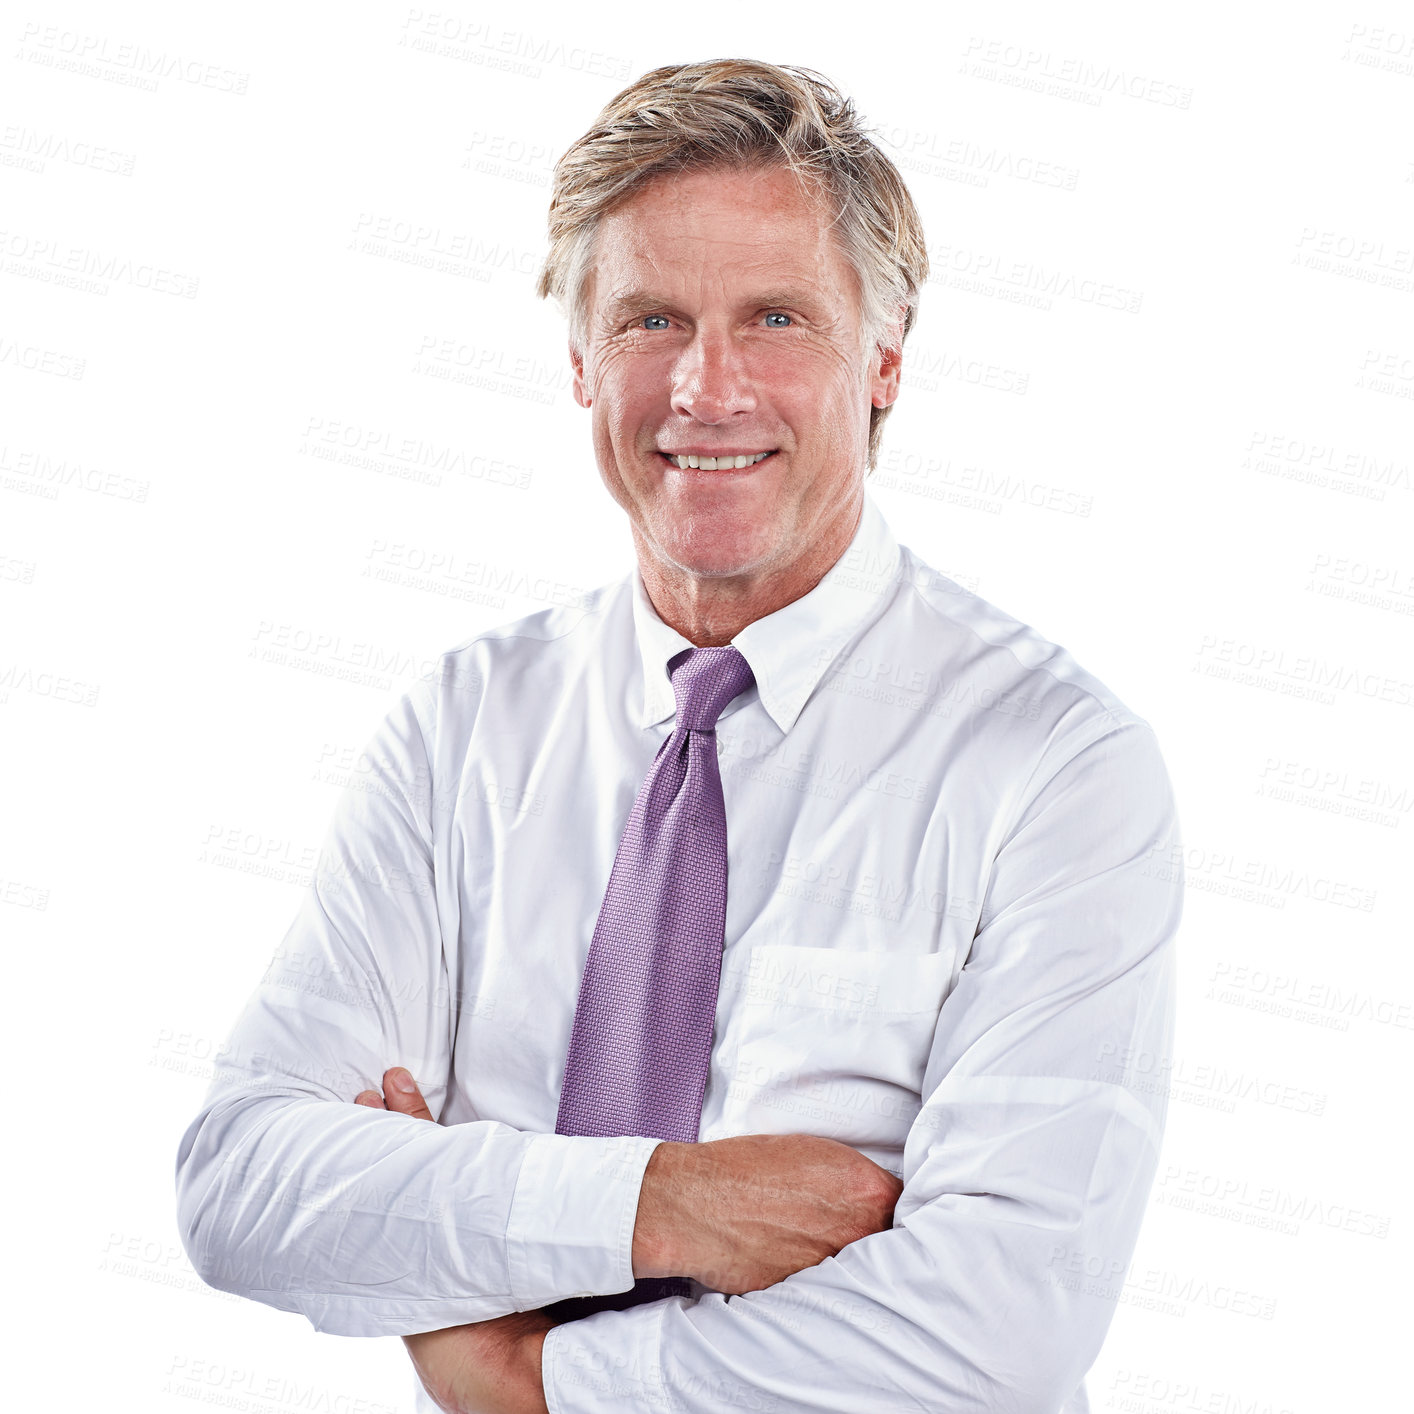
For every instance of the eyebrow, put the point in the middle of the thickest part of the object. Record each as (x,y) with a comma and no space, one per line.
(629,302)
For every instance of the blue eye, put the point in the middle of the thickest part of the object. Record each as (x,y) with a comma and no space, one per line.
(662,317)
(778,315)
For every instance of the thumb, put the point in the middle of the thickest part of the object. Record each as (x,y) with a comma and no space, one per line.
(401,1094)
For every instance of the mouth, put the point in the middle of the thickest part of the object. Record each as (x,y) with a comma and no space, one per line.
(725,461)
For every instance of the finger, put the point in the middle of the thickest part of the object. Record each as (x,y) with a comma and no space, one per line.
(371,1098)
(402,1095)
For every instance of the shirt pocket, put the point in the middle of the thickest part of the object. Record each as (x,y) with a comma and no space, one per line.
(829,1041)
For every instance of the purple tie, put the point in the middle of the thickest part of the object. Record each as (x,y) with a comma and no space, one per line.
(642,1038)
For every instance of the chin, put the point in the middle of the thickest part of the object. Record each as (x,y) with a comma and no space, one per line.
(720,552)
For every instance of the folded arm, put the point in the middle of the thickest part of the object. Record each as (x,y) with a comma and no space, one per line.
(372,1223)
(1031,1159)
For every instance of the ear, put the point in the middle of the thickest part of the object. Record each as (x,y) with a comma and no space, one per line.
(886,365)
(884,375)
(581,395)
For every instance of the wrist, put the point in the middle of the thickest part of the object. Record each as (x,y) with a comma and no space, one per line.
(531,1350)
(657,1230)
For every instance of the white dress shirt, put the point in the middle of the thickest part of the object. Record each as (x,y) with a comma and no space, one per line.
(954,882)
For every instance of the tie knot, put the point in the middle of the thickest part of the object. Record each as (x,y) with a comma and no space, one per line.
(704,681)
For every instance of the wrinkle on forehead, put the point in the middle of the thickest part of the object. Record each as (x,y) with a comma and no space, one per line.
(654,242)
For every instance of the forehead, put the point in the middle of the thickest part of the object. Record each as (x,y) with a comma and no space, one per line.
(720,232)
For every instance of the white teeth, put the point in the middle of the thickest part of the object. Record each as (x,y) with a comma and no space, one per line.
(720,463)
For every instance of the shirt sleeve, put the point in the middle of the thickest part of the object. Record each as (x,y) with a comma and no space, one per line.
(364,1221)
(1026,1171)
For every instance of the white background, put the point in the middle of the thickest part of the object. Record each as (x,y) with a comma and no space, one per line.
(1157,404)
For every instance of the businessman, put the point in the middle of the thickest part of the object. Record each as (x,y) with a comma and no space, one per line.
(751,980)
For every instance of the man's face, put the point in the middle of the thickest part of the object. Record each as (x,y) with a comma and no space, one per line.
(724,321)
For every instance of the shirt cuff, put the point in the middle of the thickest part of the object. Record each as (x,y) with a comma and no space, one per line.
(570,1231)
(610,1360)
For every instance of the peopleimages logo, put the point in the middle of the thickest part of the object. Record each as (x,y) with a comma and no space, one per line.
(1065,76)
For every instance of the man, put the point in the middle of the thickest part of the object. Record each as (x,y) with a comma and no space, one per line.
(778,941)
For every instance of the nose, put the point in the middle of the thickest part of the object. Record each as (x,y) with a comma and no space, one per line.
(711,380)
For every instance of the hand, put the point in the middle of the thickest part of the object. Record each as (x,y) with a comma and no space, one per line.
(403,1096)
(484,1367)
(743,1213)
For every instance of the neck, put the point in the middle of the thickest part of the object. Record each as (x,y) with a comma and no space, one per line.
(710,610)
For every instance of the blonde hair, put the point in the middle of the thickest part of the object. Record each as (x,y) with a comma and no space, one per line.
(743,113)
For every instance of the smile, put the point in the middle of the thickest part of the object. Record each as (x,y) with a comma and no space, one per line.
(718,463)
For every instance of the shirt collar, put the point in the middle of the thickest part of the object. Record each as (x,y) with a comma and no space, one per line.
(789,649)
